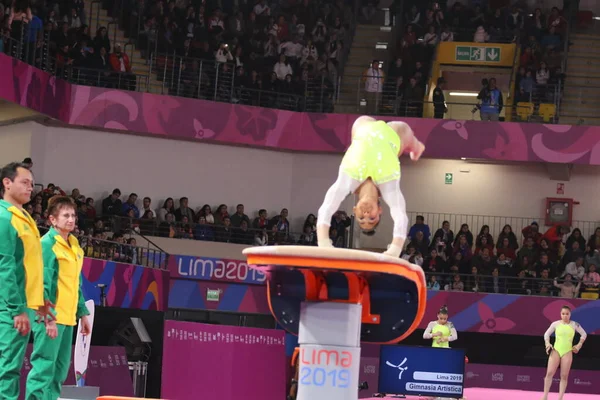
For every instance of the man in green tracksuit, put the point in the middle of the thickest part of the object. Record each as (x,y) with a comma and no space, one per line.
(21,275)
(52,342)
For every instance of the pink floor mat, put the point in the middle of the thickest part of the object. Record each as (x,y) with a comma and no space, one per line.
(498,394)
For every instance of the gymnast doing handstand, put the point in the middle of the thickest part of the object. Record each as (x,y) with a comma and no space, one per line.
(371,169)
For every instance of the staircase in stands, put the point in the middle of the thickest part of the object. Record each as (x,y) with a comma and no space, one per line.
(581,95)
(363,51)
(139,65)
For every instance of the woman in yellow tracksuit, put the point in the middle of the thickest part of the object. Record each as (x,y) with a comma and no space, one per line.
(52,341)
(371,169)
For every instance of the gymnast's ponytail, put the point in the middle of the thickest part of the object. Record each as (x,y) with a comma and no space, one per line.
(443,310)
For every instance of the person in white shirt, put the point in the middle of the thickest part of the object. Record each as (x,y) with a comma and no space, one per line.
(292,49)
(481,36)
(73,20)
(542,75)
(262,9)
(430,38)
(282,68)
(373,79)
(575,269)
(446,35)
(147,209)
(215,23)
(309,53)
(223,55)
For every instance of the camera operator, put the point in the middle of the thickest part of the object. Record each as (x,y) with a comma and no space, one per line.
(491,101)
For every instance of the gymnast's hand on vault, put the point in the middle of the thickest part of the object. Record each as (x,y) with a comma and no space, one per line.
(394,252)
(326,243)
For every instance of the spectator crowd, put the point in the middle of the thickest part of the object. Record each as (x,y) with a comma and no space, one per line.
(277,47)
(260,53)
(177,219)
(540,65)
(54,35)
(559,262)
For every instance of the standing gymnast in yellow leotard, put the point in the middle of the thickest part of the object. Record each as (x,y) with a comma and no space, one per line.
(562,351)
(441,331)
(371,169)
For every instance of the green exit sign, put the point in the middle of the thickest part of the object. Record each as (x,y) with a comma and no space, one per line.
(478,54)
(213,295)
(448,178)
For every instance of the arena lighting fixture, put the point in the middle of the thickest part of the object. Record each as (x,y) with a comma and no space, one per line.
(463,94)
(464,158)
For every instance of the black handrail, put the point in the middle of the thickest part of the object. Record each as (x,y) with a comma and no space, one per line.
(120,252)
(504,282)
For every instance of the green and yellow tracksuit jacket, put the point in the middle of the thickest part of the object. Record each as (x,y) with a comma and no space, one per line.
(62,277)
(21,264)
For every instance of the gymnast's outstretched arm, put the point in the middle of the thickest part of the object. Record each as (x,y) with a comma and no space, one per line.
(391,194)
(343,186)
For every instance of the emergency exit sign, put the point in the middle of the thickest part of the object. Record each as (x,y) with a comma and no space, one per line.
(478,54)
(448,178)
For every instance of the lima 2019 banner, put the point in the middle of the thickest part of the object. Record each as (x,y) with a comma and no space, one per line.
(230,285)
(216,284)
(125,285)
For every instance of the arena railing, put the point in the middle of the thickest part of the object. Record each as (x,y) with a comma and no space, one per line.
(495,223)
(211,80)
(103,78)
(217,81)
(497,36)
(194,231)
(434,220)
(394,99)
(511,282)
(38,53)
(110,250)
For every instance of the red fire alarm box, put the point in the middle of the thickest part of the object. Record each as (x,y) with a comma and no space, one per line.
(559,211)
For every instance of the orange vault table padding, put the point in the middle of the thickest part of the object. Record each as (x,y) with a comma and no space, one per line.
(392,291)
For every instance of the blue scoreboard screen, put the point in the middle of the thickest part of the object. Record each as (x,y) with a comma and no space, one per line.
(426,371)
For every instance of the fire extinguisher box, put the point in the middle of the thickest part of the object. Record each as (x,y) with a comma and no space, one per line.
(559,211)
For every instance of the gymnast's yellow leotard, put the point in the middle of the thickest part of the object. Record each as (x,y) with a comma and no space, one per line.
(373,154)
(564,334)
(447,330)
